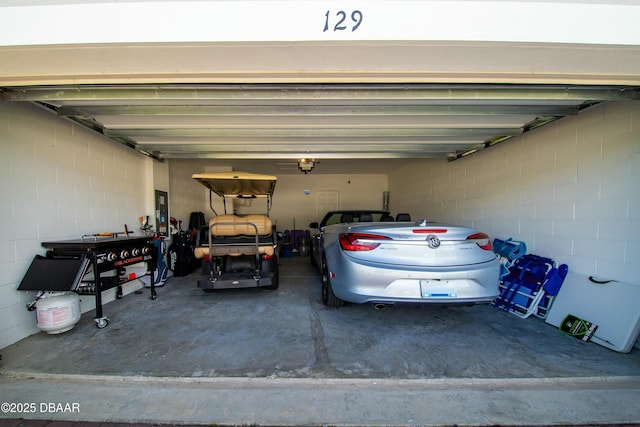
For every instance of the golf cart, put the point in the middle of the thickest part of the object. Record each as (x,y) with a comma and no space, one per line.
(238,250)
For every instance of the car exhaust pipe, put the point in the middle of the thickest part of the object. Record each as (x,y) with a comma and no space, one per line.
(379,306)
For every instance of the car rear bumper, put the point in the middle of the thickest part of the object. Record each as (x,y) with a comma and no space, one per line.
(359,282)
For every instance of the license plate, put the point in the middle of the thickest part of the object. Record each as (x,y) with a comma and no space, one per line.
(436,289)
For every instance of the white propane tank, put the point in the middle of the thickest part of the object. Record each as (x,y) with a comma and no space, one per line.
(58,312)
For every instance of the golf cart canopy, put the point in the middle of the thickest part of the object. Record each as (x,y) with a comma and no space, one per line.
(241,185)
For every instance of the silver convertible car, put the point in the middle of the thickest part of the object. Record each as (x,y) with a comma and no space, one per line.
(368,257)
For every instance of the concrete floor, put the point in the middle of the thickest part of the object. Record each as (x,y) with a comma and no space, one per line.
(258,357)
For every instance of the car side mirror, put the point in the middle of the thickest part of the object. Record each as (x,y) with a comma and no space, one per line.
(313,225)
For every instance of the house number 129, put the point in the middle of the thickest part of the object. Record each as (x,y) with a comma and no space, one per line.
(341,21)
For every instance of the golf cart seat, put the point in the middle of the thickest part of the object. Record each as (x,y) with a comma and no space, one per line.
(238,235)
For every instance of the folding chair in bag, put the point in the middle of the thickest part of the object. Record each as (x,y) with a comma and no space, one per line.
(508,250)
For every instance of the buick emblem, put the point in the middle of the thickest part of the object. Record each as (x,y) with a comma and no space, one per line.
(433,241)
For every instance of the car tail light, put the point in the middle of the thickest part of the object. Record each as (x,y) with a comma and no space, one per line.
(267,256)
(482,240)
(429,230)
(360,241)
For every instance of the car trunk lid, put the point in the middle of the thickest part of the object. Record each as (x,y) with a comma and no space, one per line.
(422,244)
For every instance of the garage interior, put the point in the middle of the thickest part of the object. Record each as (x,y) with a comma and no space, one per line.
(525,138)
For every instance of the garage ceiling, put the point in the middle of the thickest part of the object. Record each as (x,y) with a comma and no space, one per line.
(320,121)
(244,84)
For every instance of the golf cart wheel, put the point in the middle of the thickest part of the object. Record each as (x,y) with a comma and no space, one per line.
(275,281)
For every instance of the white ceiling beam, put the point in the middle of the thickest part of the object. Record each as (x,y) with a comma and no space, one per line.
(321,62)
(159,143)
(561,108)
(311,132)
(315,122)
(319,95)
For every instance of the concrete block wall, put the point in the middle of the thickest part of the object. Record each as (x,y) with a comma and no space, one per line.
(59,181)
(186,195)
(570,190)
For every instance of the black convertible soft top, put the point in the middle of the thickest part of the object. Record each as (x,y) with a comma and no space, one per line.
(353,215)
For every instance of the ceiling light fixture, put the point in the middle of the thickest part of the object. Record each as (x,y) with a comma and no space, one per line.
(306,165)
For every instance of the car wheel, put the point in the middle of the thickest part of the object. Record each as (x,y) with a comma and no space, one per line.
(275,282)
(328,297)
(312,257)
